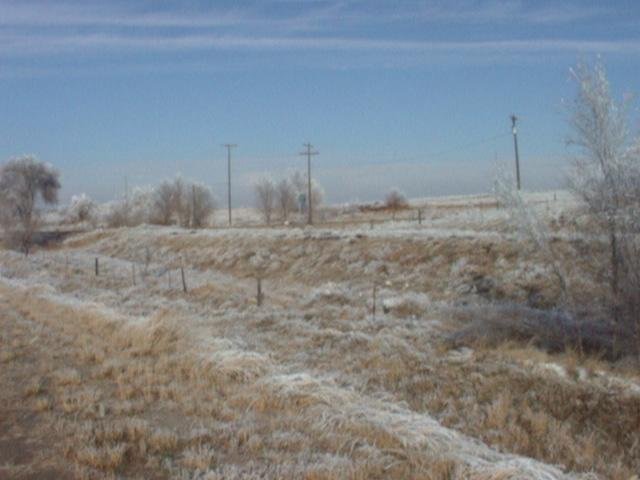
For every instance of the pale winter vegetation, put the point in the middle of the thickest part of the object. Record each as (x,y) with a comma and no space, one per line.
(25,184)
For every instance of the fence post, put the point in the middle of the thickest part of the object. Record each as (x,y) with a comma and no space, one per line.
(147,260)
(259,295)
(184,282)
(97,267)
(373,307)
(419,216)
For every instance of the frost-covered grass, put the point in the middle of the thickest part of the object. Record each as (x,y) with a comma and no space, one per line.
(311,384)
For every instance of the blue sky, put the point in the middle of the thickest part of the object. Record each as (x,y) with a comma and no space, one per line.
(408,94)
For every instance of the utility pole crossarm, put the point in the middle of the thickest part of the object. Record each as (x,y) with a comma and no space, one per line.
(309,153)
(229,146)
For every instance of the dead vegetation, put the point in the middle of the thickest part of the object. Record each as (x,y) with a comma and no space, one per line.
(155,383)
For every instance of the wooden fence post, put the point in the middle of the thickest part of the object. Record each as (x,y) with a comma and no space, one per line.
(259,295)
(97,267)
(373,307)
(419,216)
(184,282)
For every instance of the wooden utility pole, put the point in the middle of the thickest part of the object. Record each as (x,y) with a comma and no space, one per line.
(126,200)
(514,130)
(229,146)
(309,153)
(193,206)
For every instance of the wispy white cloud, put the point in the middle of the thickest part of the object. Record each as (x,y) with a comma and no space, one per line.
(299,15)
(19,44)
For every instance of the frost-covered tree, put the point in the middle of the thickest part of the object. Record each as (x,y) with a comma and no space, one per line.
(606,178)
(24,182)
(265,191)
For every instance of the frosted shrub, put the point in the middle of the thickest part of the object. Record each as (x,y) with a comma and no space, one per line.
(81,209)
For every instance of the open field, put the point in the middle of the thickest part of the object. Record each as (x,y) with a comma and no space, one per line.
(124,375)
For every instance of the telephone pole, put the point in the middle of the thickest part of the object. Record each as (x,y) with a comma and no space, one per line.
(514,130)
(309,152)
(229,146)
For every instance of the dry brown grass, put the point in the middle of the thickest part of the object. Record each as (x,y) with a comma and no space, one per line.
(146,360)
(131,389)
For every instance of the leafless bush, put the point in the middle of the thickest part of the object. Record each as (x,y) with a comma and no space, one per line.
(265,191)
(396,200)
(23,182)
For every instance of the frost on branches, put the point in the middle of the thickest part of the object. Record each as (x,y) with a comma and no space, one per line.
(605,179)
